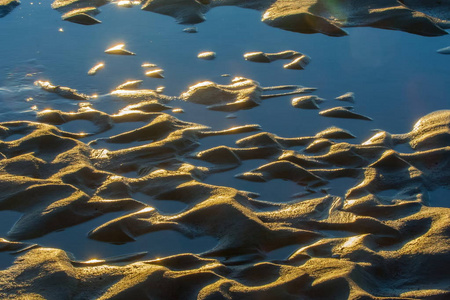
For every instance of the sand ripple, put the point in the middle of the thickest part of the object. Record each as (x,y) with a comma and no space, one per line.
(345,246)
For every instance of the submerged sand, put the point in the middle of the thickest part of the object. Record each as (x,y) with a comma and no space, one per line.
(6,6)
(428,18)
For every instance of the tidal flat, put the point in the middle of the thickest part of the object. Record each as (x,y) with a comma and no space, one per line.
(317,168)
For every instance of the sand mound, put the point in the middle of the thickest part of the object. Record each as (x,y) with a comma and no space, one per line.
(241,93)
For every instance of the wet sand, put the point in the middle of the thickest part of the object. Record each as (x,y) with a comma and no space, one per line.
(380,239)
(56,181)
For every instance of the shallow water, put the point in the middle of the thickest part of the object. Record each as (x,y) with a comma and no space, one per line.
(396,77)
(388,71)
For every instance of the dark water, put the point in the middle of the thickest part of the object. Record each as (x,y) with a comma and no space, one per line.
(396,77)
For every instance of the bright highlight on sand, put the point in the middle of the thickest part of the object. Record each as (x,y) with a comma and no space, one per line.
(119,49)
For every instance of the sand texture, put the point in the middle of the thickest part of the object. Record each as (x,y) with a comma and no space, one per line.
(364,245)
